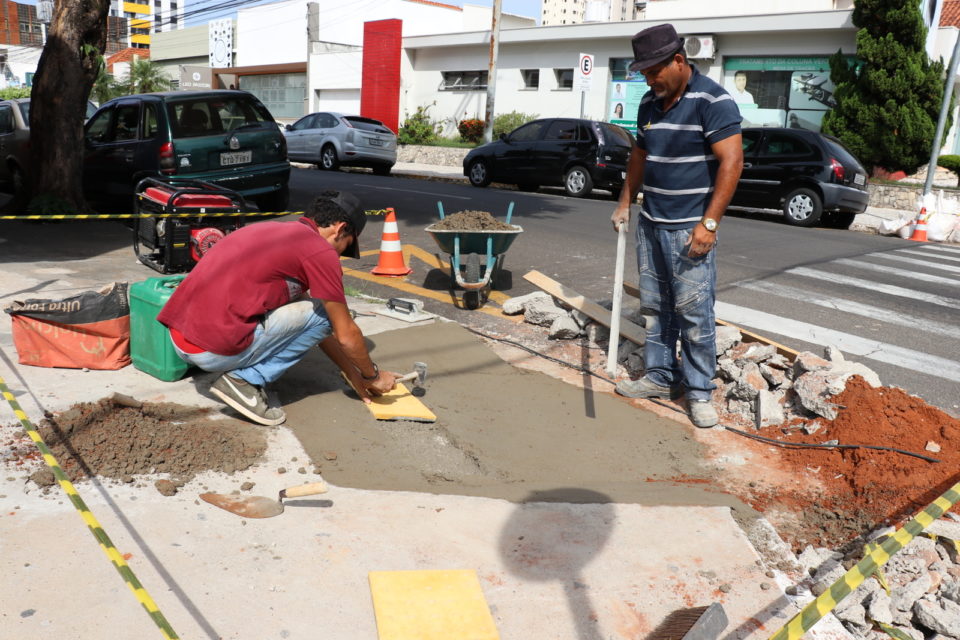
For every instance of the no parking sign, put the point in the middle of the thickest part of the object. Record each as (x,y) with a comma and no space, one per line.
(584,72)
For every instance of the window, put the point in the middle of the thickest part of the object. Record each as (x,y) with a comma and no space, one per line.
(561,130)
(531,78)
(99,126)
(6,119)
(464,81)
(150,127)
(326,121)
(128,118)
(750,140)
(528,132)
(282,93)
(779,144)
(304,123)
(564,78)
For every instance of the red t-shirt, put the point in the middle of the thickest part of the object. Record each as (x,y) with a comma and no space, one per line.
(246,274)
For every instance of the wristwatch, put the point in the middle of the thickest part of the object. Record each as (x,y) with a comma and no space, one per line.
(376,373)
(710,224)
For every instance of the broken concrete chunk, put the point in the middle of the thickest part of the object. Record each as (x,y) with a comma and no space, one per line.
(728,370)
(564,328)
(751,352)
(597,333)
(903,597)
(806,362)
(769,412)
(580,318)
(774,376)
(542,311)
(939,615)
(516,305)
(778,361)
(814,389)
(932,447)
(726,337)
(878,607)
(833,354)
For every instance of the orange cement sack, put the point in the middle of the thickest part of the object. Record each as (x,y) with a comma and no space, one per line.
(90,330)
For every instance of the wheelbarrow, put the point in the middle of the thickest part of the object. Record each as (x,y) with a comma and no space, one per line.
(467,249)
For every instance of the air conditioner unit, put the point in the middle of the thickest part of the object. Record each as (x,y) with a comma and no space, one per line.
(698,47)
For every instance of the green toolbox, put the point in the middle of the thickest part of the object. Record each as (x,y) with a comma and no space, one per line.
(150,346)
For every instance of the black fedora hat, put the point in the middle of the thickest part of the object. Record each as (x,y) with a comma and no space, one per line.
(653,45)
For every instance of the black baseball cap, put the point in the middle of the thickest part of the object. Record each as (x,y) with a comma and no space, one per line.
(357,218)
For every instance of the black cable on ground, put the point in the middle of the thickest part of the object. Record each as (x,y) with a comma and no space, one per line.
(745,434)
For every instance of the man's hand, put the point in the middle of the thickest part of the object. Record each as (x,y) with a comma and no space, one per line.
(621,215)
(701,241)
(384,382)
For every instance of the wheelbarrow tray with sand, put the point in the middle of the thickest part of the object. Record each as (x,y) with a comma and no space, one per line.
(467,248)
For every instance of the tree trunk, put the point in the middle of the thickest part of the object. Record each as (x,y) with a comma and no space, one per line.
(68,67)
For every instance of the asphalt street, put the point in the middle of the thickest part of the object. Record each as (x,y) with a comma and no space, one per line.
(886,302)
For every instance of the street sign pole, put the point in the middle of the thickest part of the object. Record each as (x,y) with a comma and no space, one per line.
(583,78)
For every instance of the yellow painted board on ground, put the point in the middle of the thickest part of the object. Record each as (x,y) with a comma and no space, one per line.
(400,404)
(431,605)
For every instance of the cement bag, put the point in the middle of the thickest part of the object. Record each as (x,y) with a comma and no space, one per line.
(90,330)
(940,226)
(906,231)
(890,227)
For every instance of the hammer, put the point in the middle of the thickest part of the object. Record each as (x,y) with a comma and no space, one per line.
(418,376)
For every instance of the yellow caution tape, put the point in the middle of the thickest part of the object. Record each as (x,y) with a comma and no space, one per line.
(128,216)
(105,543)
(875,557)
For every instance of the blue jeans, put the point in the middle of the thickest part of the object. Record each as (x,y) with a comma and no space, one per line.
(279,342)
(678,292)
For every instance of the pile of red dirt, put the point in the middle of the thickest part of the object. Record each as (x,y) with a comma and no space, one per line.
(845,492)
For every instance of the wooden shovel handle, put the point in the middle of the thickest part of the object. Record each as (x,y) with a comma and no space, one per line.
(310,489)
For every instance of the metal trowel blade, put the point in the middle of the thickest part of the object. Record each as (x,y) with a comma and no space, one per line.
(247,507)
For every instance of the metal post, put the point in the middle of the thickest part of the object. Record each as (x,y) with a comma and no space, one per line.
(583,102)
(492,72)
(942,120)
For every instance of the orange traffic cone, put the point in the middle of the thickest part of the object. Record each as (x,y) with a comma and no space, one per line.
(920,230)
(391,256)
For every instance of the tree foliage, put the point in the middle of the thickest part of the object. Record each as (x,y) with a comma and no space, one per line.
(889,101)
(145,77)
(952,163)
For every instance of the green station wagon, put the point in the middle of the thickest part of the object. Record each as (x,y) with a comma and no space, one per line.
(225,137)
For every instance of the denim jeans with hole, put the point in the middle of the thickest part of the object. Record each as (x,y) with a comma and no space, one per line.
(279,342)
(677,292)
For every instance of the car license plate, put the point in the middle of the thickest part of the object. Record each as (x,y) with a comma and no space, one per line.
(623,175)
(859,179)
(235,157)
(376,142)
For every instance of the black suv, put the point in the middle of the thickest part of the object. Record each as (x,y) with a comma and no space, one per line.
(577,154)
(225,137)
(804,173)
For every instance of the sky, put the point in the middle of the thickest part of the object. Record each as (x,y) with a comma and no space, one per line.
(527,8)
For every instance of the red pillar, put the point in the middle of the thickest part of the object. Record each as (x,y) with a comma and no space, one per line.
(380,88)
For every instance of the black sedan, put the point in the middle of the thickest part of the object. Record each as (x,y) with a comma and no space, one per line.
(808,175)
(577,154)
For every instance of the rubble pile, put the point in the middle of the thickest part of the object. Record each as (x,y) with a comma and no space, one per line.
(756,385)
(923,599)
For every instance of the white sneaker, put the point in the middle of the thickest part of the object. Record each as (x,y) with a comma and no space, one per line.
(702,414)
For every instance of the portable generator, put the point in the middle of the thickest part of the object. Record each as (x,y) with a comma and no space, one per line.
(175,244)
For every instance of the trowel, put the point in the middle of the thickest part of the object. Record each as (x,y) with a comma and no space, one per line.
(260,506)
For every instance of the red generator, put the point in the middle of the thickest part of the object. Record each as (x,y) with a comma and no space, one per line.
(181,226)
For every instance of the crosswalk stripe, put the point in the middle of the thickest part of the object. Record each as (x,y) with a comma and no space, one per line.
(850,306)
(939,248)
(925,277)
(920,263)
(879,287)
(847,343)
(917,252)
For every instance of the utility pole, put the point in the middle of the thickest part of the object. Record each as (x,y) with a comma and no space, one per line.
(492,72)
(942,120)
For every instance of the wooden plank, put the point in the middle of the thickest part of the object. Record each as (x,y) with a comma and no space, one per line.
(629,330)
(748,336)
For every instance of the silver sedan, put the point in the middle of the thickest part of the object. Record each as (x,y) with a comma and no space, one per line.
(331,140)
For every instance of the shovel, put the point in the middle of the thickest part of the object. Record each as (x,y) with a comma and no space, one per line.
(259,506)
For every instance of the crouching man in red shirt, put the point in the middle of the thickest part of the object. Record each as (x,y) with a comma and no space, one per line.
(244,309)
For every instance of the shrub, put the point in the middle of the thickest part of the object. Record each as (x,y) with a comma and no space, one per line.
(471,130)
(952,163)
(418,128)
(507,122)
(11,93)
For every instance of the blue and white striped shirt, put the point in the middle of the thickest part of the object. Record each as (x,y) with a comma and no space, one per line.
(681,169)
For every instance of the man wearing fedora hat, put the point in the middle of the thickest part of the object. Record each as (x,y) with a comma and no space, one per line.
(243,311)
(687,161)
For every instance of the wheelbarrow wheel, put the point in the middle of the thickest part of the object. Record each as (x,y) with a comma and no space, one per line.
(471,299)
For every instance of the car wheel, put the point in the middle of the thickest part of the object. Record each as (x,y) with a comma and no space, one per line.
(328,158)
(802,207)
(840,219)
(479,173)
(275,201)
(529,187)
(382,169)
(577,182)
